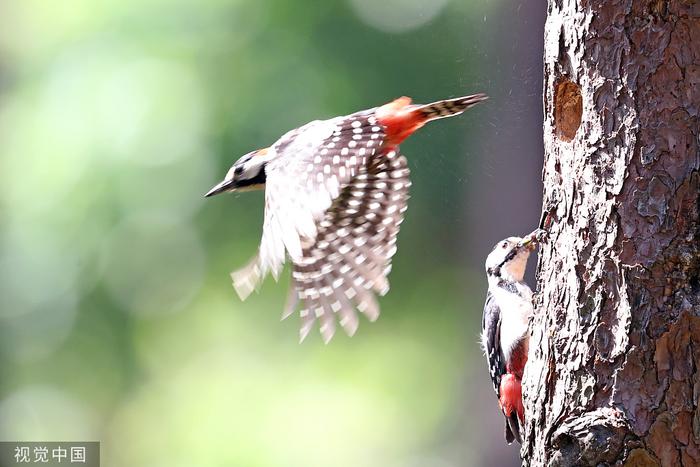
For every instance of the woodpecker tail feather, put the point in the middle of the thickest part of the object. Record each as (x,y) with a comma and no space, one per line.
(400,118)
(449,107)
(511,402)
(513,429)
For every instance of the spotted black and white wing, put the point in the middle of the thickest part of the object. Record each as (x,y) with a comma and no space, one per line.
(308,170)
(491,341)
(347,263)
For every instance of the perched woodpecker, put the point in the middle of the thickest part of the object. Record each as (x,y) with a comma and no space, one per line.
(335,195)
(504,327)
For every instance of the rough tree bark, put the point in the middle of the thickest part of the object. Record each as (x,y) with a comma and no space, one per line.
(613,376)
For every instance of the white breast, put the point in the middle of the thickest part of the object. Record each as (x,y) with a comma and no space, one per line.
(515,313)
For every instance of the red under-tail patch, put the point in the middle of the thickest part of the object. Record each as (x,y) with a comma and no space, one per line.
(399,120)
(511,396)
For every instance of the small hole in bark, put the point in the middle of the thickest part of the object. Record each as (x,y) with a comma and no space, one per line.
(659,8)
(694,277)
(568,107)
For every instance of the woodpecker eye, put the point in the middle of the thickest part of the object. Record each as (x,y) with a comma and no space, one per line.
(504,245)
(239,170)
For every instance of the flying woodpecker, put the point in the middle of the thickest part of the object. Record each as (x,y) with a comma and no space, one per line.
(504,327)
(335,195)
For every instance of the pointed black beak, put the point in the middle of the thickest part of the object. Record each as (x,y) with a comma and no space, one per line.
(220,188)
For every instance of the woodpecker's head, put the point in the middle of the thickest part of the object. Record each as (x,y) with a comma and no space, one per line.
(247,173)
(509,257)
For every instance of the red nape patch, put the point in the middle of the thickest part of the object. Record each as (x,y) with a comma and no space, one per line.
(398,120)
(511,396)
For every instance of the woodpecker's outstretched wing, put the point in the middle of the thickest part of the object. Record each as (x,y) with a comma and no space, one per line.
(309,168)
(491,343)
(350,258)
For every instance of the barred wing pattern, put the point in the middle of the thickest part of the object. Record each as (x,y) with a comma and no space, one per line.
(310,167)
(350,258)
(491,341)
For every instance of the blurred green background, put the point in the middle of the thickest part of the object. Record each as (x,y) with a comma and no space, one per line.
(118,322)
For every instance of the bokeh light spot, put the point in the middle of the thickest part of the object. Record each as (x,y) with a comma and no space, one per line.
(39,330)
(396,16)
(150,111)
(43,413)
(153,264)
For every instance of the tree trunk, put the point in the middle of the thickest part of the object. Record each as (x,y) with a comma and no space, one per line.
(613,373)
